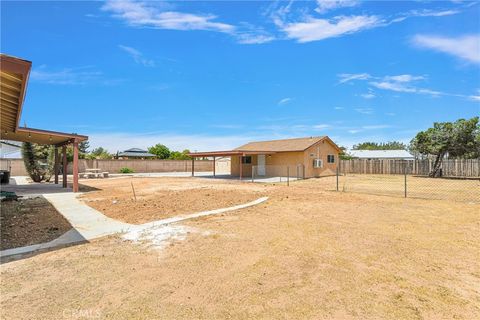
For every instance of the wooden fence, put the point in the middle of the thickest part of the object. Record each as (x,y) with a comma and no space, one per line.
(450,167)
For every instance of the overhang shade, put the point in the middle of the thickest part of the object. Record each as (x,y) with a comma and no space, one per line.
(13,76)
(41,136)
(227,153)
(14,73)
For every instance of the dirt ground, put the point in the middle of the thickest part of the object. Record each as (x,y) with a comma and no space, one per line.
(394,185)
(159,198)
(30,221)
(306,253)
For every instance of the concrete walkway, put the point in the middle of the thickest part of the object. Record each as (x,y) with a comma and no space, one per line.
(89,224)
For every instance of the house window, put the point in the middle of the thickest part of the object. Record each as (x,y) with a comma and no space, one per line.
(317,163)
(330,158)
(247,160)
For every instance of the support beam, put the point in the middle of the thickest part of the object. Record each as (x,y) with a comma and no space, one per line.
(214,167)
(55,166)
(64,172)
(75,166)
(193,166)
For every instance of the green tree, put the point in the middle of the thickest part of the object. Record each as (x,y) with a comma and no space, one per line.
(177,155)
(343,155)
(161,151)
(455,139)
(99,153)
(392,145)
(39,161)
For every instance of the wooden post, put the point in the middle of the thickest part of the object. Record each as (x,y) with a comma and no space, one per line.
(241,165)
(75,166)
(337,178)
(193,166)
(214,167)
(288,176)
(64,173)
(55,166)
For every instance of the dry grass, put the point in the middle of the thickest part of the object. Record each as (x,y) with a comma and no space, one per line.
(394,185)
(305,254)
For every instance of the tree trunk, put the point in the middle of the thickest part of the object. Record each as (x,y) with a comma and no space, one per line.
(437,171)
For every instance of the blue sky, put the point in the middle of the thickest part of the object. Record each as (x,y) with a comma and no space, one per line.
(215,74)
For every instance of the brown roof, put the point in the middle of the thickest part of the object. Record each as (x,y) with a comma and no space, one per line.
(297,144)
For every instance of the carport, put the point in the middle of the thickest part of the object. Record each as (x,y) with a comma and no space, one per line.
(14,80)
(229,153)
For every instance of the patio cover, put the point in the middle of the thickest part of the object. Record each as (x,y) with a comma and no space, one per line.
(14,74)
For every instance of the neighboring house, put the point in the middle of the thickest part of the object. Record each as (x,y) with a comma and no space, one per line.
(381,154)
(308,157)
(10,149)
(135,153)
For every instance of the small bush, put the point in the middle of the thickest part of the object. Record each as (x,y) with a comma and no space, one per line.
(126,170)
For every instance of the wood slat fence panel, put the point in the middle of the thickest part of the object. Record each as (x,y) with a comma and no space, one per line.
(450,167)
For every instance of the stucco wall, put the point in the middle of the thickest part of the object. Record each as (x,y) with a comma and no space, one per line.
(140,166)
(276,161)
(320,150)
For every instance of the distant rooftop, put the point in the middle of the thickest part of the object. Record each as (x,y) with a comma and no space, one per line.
(135,152)
(381,154)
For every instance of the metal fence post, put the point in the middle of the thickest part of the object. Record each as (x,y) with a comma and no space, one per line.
(253,173)
(405,174)
(288,176)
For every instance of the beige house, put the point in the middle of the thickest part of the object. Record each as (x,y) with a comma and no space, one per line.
(301,157)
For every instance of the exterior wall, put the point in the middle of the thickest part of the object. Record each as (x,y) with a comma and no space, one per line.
(320,150)
(113,166)
(143,165)
(246,168)
(16,166)
(276,163)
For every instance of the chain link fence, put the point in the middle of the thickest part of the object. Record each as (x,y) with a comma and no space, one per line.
(407,185)
(277,173)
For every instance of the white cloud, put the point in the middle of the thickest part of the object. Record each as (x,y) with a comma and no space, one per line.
(284,101)
(424,13)
(347,77)
(404,78)
(398,83)
(143,14)
(364,110)
(137,56)
(392,85)
(465,47)
(328,5)
(368,95)
(339,108)
(321,126)
(475,97)
(251,38)
(66,76)
(319,29)
(376,127)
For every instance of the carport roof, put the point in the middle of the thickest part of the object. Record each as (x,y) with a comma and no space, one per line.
(227,153)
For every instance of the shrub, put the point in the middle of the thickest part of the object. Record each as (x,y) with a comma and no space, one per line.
(38,161)
(126,170)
